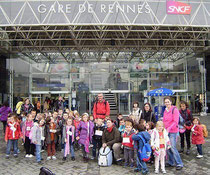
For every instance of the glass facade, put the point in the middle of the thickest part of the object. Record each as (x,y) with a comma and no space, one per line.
(128,81)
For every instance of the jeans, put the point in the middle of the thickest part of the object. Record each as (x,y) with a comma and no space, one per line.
(173,154)
(141,165)
(71,150)
(38,153)
(11,143)
(97,144)
(187,135)
(199,149)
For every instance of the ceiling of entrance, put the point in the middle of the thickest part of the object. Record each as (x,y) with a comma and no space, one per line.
(103,43)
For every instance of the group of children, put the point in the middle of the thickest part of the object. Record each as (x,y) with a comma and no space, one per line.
(68,131)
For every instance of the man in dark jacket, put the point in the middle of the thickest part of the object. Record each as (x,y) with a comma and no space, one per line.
(59,104)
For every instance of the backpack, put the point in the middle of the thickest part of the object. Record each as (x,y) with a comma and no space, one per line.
(205,131)
(146,151)
(45,171)
(105,157)
(181,120)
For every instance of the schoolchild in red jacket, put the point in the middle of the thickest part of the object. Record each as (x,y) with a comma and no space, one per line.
(197,135)
(12,134)
(128,143)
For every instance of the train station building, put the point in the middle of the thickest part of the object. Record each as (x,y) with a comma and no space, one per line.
(123,49)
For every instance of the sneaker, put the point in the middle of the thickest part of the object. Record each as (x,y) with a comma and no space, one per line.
(156,171)
(181,150)
(164,171)
(39,162)
(188,152)
(42,151)
(7,156)
(199,156)
(131,165)
(179,167)
(49,157)
(92,158)
(145,172)
(73,158)
(18,151)
(64,158)
(15,155)
(137,170)
(27,155)
(30,156)
(54,158)
(125,164)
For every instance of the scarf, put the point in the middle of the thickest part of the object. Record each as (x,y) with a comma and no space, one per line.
(67,147)
(110,129)
(87,141)
(12,127)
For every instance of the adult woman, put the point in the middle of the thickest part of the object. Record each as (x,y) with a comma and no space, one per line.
(111,137)
(187,116)
(27,106)
(4,111)
(147,113)
(171,120)
(136,112)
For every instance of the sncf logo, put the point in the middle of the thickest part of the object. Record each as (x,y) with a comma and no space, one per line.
(178,8)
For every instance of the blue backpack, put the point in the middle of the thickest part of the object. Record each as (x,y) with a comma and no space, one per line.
(145,153)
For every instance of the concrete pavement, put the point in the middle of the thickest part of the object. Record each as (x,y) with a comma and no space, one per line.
(28,166)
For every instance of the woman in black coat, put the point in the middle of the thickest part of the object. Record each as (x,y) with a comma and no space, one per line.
(147,113)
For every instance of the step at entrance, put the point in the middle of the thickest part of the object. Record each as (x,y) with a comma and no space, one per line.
(112,99)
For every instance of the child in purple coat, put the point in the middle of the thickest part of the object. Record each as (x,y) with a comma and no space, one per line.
(84,134)
(4,111)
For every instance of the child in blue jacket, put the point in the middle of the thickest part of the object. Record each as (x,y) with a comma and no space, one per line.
(138,144)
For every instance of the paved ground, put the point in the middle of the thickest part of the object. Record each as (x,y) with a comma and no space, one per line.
(28,166)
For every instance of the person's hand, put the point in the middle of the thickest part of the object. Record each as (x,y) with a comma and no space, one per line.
(77,138)
(65,140)
(153,148)
(6,141)
(104,145)
(35,142)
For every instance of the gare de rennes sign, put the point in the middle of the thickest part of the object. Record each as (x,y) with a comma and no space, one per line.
(90,8)
(116,12)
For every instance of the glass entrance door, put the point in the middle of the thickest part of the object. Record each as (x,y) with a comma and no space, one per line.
(119,101)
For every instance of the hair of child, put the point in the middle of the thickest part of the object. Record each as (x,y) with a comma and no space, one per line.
(198,119)
(159,123)
(151,125)
(140,127)
(185,103)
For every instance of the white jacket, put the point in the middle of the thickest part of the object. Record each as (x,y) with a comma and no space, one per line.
(155,140)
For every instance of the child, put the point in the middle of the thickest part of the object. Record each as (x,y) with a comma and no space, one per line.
(37,138)
(76,119)
(149,129)
(68,138)
(122,126)
(26,128)
(139,145)
(117,121)
(51,129)
(84,135)
(12,134)
(197,135)
(159,143)
(23,116)
(97,137)
(91,118)
(128,143)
